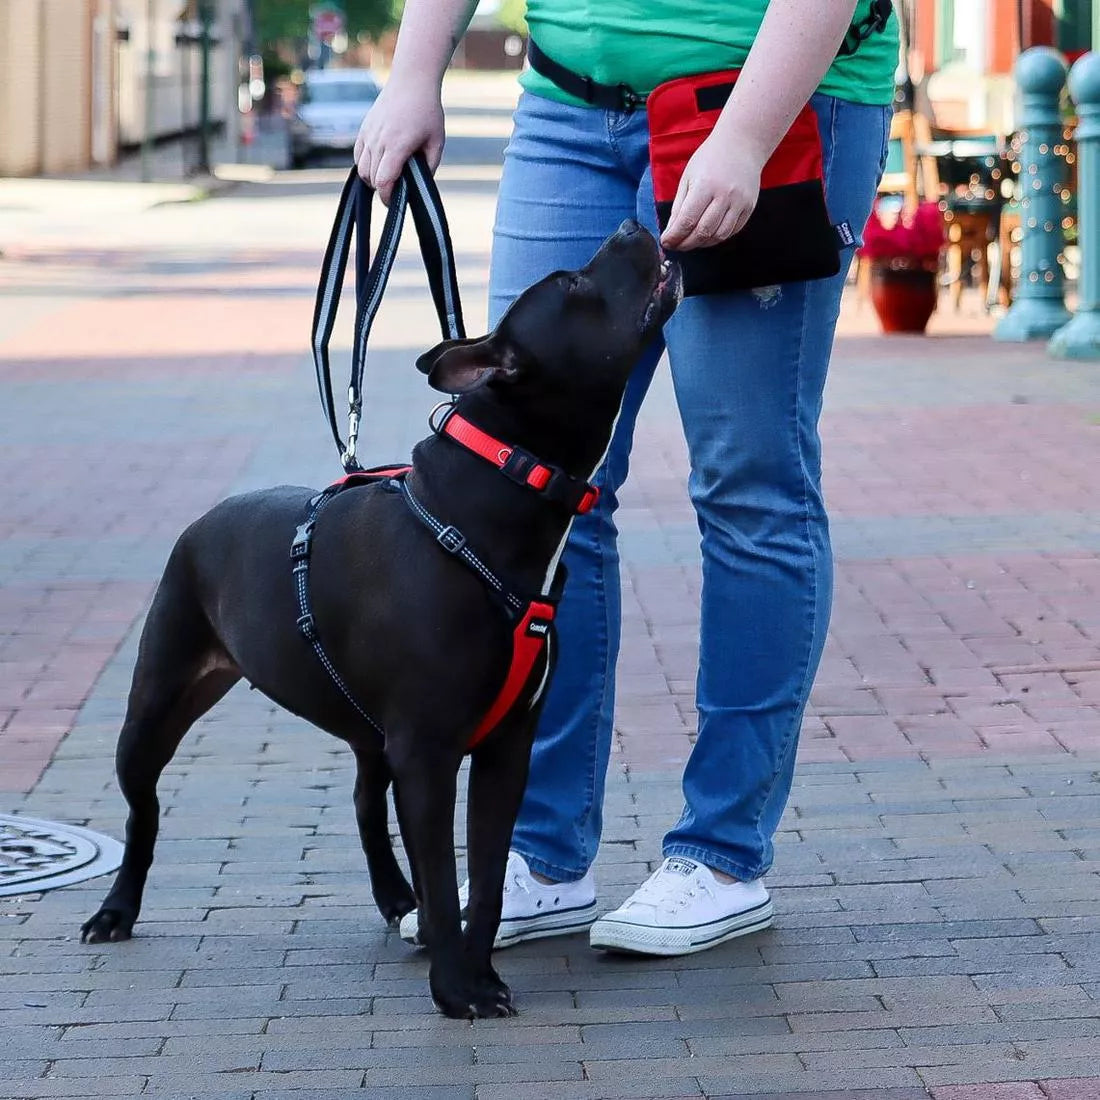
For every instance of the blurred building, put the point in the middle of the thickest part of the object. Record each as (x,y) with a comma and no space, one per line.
(80,78)
(961,52)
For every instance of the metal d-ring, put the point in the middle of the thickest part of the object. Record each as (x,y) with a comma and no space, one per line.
(449,406)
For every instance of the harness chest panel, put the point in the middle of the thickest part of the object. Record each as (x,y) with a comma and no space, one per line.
(533,617)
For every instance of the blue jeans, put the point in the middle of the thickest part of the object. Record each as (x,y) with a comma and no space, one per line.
(748,369)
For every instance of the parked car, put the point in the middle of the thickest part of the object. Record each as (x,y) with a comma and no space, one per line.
(331,105)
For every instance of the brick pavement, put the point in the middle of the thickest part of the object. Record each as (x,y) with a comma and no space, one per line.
(936,876)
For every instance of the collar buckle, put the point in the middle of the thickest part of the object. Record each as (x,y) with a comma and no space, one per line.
(518,465)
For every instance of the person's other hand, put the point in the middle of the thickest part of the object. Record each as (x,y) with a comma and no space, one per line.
(406,118)
(717,193)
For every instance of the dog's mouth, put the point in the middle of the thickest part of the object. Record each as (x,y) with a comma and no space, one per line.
(668,289)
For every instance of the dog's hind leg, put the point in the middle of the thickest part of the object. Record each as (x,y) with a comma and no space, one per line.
(392,893)
(181,672)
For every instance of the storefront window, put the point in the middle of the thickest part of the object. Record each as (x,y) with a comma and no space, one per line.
(963,33)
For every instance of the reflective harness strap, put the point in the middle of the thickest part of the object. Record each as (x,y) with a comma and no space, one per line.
(530,638)
(453,541)
(300,550)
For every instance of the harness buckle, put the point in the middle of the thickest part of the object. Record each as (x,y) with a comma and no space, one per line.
(451,539)
(307,627)
(303,537)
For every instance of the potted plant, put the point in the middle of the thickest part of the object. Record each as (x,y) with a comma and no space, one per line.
(903,250)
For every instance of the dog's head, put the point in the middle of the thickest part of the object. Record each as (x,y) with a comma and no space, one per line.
(568,343)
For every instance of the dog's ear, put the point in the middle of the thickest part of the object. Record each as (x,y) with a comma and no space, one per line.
(461,366)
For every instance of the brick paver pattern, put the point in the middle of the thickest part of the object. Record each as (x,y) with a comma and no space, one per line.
(938,929)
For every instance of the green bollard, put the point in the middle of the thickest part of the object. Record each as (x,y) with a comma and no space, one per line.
(1080,339)
(1039,306)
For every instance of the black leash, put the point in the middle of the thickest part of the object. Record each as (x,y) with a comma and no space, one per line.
(621,97)
(415,189)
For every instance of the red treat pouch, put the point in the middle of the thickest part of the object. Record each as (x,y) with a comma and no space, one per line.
(789,236)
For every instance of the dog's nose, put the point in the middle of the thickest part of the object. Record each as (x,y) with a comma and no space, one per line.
(629,227)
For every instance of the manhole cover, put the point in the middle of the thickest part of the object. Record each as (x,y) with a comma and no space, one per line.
(42,855)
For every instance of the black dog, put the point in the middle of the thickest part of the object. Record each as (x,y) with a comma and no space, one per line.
(416,635)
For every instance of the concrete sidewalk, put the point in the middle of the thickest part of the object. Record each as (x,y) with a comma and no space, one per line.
(936,881)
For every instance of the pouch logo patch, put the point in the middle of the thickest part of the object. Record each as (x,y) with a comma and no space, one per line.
(844,234)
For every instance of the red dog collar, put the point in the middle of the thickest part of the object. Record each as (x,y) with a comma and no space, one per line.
(519,465)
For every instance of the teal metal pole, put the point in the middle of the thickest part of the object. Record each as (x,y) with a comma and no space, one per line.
(1080,339)
(1039,305)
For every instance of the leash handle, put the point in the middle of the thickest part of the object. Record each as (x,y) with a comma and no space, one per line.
(414,188)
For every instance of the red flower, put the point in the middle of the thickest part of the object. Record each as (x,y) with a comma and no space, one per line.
(909,240)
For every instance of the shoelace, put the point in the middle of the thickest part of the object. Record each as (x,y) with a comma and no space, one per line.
(670,891)
(515,879)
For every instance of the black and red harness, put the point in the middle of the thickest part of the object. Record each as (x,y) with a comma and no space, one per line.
(531,616)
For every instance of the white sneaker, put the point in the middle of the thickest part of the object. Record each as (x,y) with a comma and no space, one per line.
(683,908)
(531,909)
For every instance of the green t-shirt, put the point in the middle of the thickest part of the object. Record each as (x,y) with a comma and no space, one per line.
(641,43)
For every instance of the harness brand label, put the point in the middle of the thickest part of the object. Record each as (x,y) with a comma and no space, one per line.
(537,628)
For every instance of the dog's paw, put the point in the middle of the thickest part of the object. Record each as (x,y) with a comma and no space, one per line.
(107,926)
(483,998)
(494,998)
(393,909)
(476,1006)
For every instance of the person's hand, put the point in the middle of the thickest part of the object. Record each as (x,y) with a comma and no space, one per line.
(717,193)
(406,118)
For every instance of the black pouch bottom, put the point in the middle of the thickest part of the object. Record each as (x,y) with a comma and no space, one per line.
(789,238)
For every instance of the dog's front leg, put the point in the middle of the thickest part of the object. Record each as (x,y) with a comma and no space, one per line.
(425,788)
(498,776)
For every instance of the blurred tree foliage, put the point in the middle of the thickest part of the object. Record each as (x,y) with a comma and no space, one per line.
(512,15)
(289,19)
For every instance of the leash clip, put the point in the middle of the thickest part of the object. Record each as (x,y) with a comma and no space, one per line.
(355,408)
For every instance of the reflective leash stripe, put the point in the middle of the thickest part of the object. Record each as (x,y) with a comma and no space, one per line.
(415,189)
